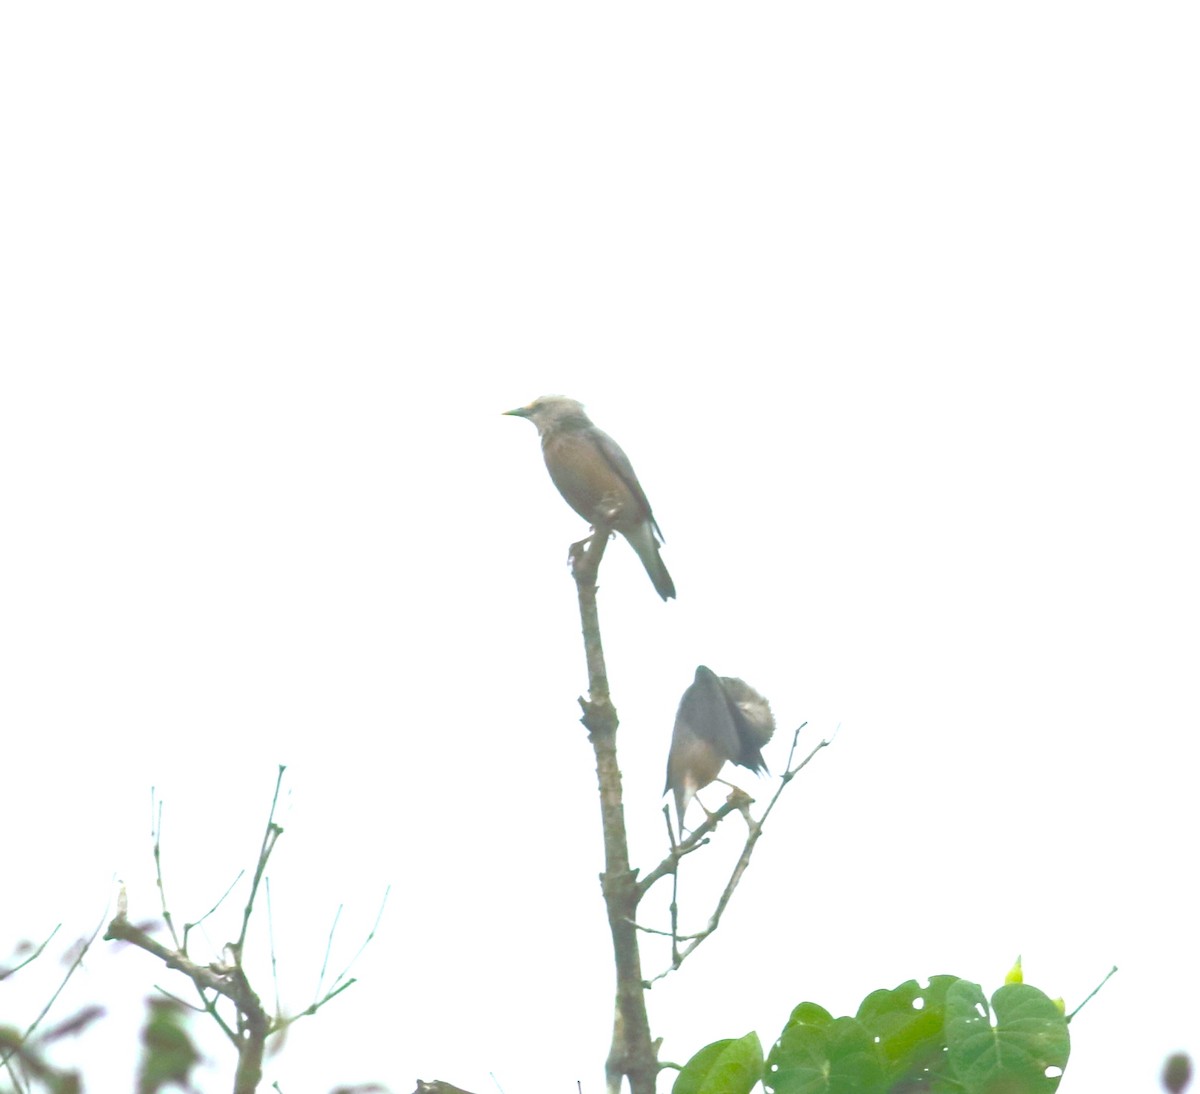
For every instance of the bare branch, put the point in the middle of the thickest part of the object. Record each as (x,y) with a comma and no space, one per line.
(328,947)
(215,981)
(366,941)
(221,983)
(741,802)
(156,816)
(697,838)
(631,1053)
(270,835)
(205,977)
(792,772)
(1092,993)
(189,927)
(208,1003)
(585,559)
(228,981)
(340,983)
(663,934)
(179,1001)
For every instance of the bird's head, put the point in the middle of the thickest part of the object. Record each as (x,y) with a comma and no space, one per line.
(551,412)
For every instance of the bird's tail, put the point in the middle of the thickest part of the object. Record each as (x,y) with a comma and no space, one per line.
(642,540)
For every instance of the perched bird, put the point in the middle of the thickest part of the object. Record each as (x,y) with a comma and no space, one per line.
(597,479)
(719,718)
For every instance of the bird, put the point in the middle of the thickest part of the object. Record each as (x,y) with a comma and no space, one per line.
(719,718)
(597,480)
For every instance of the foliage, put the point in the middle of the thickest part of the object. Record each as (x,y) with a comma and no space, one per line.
(940,1038)
(168,1055)
(724,1067)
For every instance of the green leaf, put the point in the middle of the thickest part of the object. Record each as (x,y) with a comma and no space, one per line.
(908,1022)
(724,1067)
(810,1014)
(834,1056)
(1014,1051)
(168,1054)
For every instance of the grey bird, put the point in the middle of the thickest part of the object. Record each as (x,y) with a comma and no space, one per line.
(719,718)
(597,479)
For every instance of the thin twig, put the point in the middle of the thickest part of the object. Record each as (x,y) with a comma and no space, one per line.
(270,835)
(271,944)
(792,772)
(83,949)
(663,934)
(328,947)
(1091,993)
(178,1000)
(156,840)
(208,1003)
(340,983)
(312,1008)
(189,927)
(16,1055)
(675,958)
(697,838)
(4,973)
(674,884)
(366,941)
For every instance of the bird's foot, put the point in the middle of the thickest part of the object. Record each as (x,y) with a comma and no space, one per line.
(576,552)
(738,798)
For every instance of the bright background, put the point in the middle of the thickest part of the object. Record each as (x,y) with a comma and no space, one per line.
(892,306)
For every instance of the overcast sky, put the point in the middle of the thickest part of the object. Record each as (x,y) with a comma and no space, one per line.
(893,308)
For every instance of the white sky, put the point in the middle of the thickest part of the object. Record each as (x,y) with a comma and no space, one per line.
(893,307)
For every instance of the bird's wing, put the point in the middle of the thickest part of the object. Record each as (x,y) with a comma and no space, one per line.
(708,715)
(754,723)
(619,462)
(704,736)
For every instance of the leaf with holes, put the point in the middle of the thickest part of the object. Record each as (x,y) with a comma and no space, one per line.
(908,1022)
(1020,1044)
(825,1056)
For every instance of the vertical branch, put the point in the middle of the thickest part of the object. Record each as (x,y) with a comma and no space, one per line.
(272,833)
(585,562)
(253,1027)
(631,1054)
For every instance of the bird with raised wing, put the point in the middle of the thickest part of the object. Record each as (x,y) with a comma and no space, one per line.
(597,480)
(719,718)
